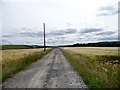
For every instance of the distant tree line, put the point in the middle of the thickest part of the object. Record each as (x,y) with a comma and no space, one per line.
(98,44)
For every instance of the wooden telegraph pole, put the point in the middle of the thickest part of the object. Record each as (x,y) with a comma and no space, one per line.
(44,37)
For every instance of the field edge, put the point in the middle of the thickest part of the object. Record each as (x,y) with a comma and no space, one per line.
(91,80)
(21,64)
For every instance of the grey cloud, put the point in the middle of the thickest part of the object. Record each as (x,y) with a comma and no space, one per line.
(99,35)
(61,32)
(90,30)
(36,42)
(40,33)
(109,38)
(32,34)
(70,31)
(5,42)
(10,35)
(105,33)
(24,28)
(48,34)
(24,34)
(80,38)
(107,14)
(57,33)
(7,36)
(107,11)
(68,24)
(59,40)
(103,14)
(107,8)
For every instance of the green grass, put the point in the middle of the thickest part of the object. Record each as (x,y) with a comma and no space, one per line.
(5,47)
(94,74)
(11,68)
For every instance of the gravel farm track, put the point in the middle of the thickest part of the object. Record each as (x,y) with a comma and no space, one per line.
(52,71)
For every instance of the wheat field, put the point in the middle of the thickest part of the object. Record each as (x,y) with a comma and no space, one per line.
(11,55)
(14,61)
(94,50)
(98,66)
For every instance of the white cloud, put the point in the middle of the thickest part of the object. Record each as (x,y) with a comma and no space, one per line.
(29,15)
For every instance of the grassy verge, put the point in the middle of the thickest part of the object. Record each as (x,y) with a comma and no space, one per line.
(13,47)
(12,67)
(94,72)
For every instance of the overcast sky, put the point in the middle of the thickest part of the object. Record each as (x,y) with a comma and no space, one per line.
(67,21)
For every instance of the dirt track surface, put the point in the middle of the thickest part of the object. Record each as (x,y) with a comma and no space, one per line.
(52,71)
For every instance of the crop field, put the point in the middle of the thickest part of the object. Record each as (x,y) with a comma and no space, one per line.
(11,55)
(16,60)
(6,47)
(98,66)
(0,65)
